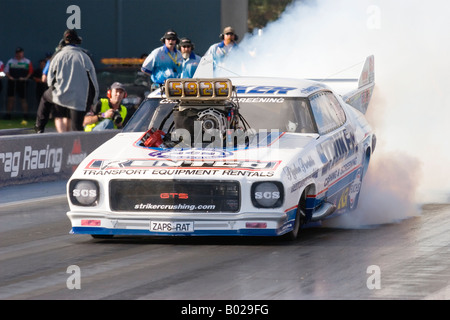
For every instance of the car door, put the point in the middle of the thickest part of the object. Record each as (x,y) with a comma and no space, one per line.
(335,147)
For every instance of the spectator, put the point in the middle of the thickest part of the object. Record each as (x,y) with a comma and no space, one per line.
(41,85)
(221,49)
(18,70)
(108,113)
(190,59)
(72,83)
(60,114)
(164,62)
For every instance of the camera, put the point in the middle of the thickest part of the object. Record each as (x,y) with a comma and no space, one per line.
(117,118)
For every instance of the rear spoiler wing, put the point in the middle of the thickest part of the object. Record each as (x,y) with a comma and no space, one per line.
(360,98)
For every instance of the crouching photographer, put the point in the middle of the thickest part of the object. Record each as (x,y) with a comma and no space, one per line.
(108,113)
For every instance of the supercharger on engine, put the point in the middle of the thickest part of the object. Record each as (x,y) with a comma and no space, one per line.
(205,115)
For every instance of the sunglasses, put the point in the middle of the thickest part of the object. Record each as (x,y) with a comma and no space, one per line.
(229,33)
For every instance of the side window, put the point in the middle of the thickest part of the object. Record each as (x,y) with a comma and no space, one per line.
(337,108)
(327,112)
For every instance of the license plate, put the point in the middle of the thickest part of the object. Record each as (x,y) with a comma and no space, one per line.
(170,226)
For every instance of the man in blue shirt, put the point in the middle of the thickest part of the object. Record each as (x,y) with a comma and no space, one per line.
(164,62)
(221,49)
(190,59)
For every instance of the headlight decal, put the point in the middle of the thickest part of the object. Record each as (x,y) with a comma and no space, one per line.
(84,192)
(267,194)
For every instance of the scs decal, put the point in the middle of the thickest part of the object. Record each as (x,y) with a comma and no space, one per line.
(84,193)
(267,195)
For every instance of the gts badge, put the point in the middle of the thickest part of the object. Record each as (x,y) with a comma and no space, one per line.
(173,195)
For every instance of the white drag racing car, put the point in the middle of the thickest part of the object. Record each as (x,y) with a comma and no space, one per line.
(239,156)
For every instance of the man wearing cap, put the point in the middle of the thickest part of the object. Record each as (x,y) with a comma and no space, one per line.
(221,49)
(190,59)
(18,70)
(72,83)
(108,113)
(164,62)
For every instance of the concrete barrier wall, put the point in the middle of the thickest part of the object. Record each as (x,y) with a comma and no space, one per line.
(29,158)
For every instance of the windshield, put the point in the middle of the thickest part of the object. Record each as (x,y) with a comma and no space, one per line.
(282,114)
